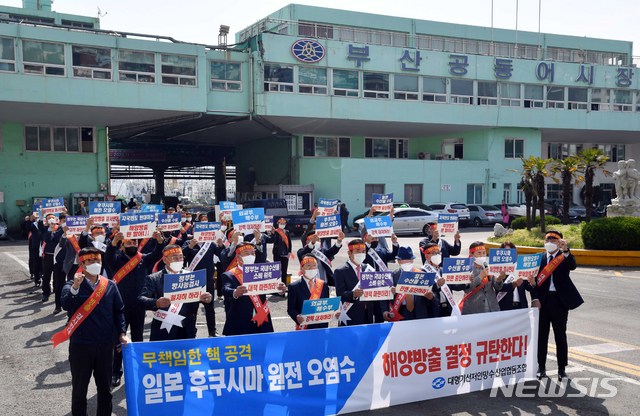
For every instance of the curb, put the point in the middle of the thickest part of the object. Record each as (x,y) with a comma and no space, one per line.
(609,258)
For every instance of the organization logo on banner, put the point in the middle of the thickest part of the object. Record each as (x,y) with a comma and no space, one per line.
(502,260)
(308,50)
(447,225)
(457,271)
(328,227)
(105,212)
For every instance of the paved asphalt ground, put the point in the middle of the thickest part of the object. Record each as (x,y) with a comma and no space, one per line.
(604,340)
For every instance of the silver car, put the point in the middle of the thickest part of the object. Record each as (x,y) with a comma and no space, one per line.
(485,215)
(409,221)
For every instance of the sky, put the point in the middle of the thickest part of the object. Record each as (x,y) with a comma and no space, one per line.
(198,20)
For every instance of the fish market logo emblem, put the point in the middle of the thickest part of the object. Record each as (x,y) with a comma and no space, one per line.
(308,50)
(438,383)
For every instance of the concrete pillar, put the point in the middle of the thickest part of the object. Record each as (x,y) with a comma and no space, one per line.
(221,181)
(158,176)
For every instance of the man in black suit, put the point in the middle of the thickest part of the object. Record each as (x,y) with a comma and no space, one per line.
(347,278)
(556,295)
(238,307)
(513,295)
(446,249)
(324,255)
(310,286)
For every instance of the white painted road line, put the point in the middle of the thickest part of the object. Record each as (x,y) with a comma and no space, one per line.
(20,262)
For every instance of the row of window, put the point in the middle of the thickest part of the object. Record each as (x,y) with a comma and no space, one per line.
(615,152)
(413,193)
(59,139)
(48,58)
(352,83)
(455,45)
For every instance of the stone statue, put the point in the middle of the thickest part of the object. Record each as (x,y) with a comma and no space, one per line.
(626,180)
(500,231)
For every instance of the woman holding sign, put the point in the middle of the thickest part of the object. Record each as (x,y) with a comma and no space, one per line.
(481,295)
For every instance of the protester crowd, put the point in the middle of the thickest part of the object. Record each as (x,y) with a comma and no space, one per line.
(107,283)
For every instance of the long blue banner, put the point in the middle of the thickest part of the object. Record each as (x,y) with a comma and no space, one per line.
(331,371)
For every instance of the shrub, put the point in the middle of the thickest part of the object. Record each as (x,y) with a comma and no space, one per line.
(520,223)
(616,233)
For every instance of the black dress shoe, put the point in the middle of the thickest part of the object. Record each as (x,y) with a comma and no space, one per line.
(542,374)
(562,375)
(36,283)
(115,381)
(45,298)
(57,311)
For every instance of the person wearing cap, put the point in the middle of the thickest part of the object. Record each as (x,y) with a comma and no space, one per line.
(447,250)
(347,280)
(413,306)
(513,294)
(325,256)
(51,233)
(130,271)
(481,294)
(91,344)
(310,286)
(244,313)
(556,295)
(166,315)
(279,236)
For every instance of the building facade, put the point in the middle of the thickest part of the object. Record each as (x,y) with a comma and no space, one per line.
(350,102)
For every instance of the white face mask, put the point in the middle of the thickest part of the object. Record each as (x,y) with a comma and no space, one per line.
(99,238)
(316,245)
(176,266)
(248,259)
(550,247)
(358,258)
(281,226)
(480,261)
(94,269)
(436,259)
(223,228)
(407,267)
(310,274)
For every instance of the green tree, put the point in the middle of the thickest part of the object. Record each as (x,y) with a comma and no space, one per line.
(591,160)
(567,169)
(534,171)
(526,186)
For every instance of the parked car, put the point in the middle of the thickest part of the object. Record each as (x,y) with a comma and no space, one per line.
(485,215)
(518,210)
(452,208)
(411,205)
(408,220)
(3,228)
(577,213)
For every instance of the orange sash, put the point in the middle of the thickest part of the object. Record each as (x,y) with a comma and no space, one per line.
(76,246)
(262,309)
(549,268)
(233,264)
(128,266)
(81,314)
(284,237)
(397,303)
(316,292)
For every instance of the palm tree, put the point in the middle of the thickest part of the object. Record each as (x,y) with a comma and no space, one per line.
(591,160)
(526,186)
(534,170)
(567,168)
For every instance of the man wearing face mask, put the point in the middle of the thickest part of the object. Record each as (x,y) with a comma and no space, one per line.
(347,280)
(513,294)
(245,314)
(481,296)
(377,255)
(407,307)
(309,287)
(442,294)
(94,307)
(166,317)
(50,239)
(556,295)
(446,249)
(281,246)
(95,236)
(130,272)
(324,256)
